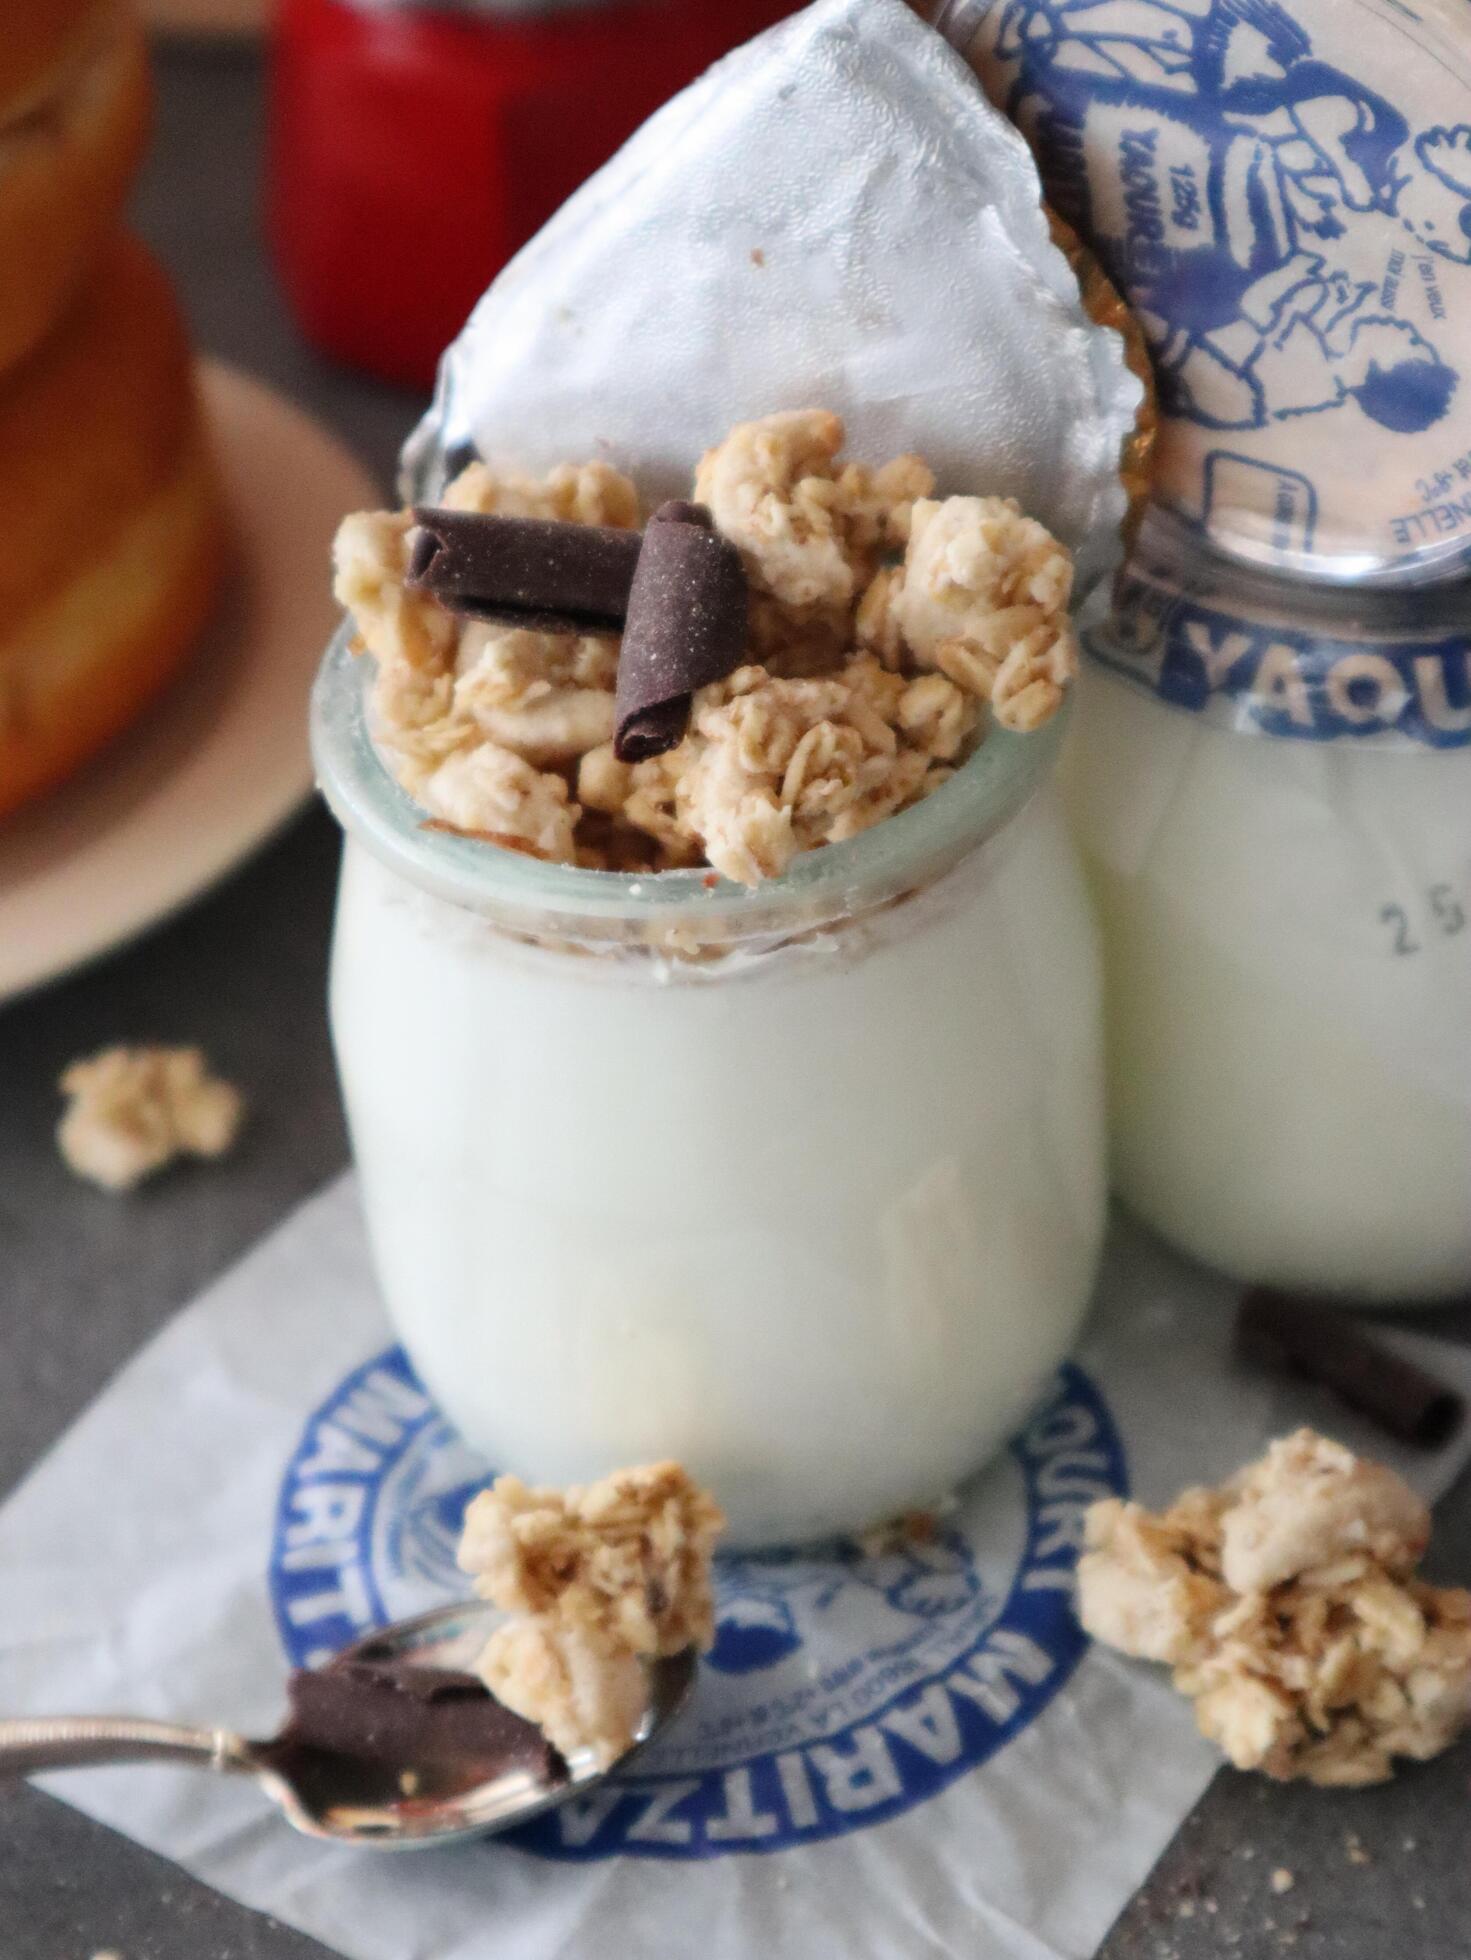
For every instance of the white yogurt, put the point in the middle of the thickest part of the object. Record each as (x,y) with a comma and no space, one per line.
(1287,948)
(820,1221)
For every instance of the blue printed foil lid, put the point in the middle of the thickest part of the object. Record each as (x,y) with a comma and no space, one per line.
(1254,654)
(1283,194)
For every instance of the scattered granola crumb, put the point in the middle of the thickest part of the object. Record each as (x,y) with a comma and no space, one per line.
(408,1782)
(601,1577)
(895,1534)
(1185,1909)
(1286,1603)
(1417,1902)
(1354,1845)
(1149,1584)
(1283,1880)
(1310,1501)
(131,1111)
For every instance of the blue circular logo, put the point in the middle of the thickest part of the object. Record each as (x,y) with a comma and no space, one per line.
(845,1685)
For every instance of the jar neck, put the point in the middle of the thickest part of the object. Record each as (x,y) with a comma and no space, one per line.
(681,910)
(1276,658)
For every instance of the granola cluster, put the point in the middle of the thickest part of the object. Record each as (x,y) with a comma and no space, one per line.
(1287,1606)
(598,1579)
(810,532)
(883,625)
(773,766)
(981,596)
(131,1111)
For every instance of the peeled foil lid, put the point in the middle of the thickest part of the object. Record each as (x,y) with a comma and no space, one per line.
(833,216)
(1247,651)
(1282,190)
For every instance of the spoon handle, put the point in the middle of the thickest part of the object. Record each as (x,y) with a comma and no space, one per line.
(82,1741)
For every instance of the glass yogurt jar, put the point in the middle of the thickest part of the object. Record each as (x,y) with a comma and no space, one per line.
(1272,788)
(801,1183)
(1272,781)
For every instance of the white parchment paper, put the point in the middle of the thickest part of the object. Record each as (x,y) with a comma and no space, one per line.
(833,216)
(961,1775)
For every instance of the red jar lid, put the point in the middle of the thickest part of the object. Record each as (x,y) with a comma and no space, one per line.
(413,153)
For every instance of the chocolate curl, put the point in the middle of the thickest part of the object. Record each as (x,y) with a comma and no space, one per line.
(686,627)
(1323,1344)
(540,573)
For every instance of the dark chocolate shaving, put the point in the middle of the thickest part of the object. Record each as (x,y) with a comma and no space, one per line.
(677,593)
(686,627)
(540,573)
(1322,1343)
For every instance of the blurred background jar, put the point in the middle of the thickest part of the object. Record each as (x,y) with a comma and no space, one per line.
(414,149)
(1272,790)
(1271,777)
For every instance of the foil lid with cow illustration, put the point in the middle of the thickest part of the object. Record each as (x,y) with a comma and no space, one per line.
(1282,189)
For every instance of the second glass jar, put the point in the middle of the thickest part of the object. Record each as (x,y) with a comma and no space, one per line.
(1272,790)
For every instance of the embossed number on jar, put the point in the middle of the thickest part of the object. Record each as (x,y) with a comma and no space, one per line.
(1444,917)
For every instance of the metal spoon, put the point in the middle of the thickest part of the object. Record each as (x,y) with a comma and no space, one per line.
(312,1792)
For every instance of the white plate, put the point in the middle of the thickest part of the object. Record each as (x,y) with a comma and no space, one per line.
(220,762)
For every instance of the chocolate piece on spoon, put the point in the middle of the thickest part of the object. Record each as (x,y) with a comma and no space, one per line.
(1323,1344)
(381,1729)
(686,627)
(540,573)
(356,1798)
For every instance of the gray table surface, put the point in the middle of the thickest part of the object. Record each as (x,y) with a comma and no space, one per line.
(85,1280)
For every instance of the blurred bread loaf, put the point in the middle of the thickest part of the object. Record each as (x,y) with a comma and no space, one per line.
(74,111)
(109,508)
(112,521)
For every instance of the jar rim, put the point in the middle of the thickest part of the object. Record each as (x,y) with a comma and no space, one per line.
(898,854)
(1173,557)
